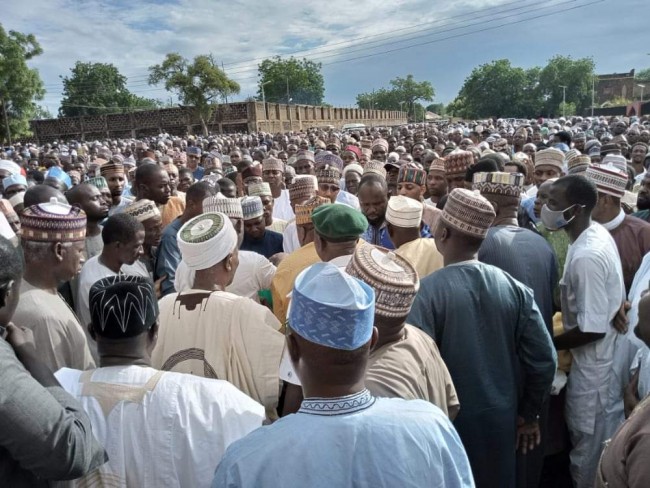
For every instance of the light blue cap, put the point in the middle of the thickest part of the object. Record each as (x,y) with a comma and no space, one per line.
(14,180)
(57,173)
(331,308)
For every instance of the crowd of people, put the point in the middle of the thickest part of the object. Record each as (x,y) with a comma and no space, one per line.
(450,304)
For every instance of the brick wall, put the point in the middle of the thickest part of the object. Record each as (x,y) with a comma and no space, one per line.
(227,118)
(615,85)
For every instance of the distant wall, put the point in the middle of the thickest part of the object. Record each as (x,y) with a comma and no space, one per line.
(227,118)
(615,85)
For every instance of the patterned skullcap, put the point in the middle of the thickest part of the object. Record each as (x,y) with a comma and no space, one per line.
(570,154)
(380,143)
(58,174)
(206,240)
(53,222)
(193,150)
(229,169)
(412,173)
(328,174)
(142,210)
(334,141)
(9,166)
(457,162)
(304,186)
(393,279)
(259,190)
(497,183)
(578,164)
(324,158)
(608,178)
(273,164)
(609,148)
(305,156)
(111,168)
(230,207)
(354,149)
(550,157)
(331,308)
(437,164)
(468,212)
(304,211)
(211,179)
(122,306)
(404,212)
(252,207)
(615,160)
(12,180)
(376,167)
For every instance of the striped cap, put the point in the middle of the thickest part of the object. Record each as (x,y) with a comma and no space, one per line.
(578,164)
(110,168)
(273,164)
(412,173)
(404,212)
(252,207)
(468,212)
(304,186)
(608,179)
(259,190)
(499,183)
(142,210)
(376,167)
(53,222)
(304,211)
(437,164)
(228,206)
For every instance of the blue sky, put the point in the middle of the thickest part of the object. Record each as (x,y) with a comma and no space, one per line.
(362,44)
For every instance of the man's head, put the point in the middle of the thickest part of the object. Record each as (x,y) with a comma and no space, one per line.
(14,185)
(610,182)
(194,198)
(89,199)
(147,213)
(185,179)
(502,190)
(571,200)
(643,197)
(642,330)
(273,172)
(403,218)
(336,230)
(304,224)
(193,157)
(113,173)
(638,154)
(344,305)
(209,247)
(254,222)
(231,208)
(124,316)
(11,273)
(328,178)
(464,222)
(548,164)
(456,165)
(541,199)
(379,149)
(373,198)
(352,174)
(436,179)
(123,238)
(303,188)
(411,181)
(304,163)
(53,236)
(152,183)
(172,174)
(394,281)
(263,191)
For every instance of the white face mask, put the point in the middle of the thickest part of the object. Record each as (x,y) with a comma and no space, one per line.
(554,219)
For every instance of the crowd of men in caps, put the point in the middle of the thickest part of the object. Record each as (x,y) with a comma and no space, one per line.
(447,305)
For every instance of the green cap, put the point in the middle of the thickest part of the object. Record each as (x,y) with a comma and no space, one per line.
(339,222)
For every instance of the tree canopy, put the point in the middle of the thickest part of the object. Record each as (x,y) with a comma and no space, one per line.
(200,83)
(498,89)
(403,94)
(20,85)
(290,81)
(98,88)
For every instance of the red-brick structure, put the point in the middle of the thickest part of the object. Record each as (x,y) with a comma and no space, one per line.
(615,85)
(227,118)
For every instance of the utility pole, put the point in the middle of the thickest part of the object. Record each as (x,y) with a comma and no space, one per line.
(289,106)
(4,111)
(563,100)
(593,93)
(224,72)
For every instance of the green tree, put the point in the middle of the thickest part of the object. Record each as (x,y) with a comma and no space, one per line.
(437,108)
(567,109)
(200,83)
(576,75)
(42,113)
(290,81)
(498,89)
(643,75)
(20,85)
(99,88)
(403,95)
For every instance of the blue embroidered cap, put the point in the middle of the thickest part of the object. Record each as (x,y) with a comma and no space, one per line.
(58,174)
(331,308)
(12,180)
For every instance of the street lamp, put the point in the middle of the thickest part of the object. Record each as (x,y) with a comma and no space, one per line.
(266,115)
(642,87)
(563,100)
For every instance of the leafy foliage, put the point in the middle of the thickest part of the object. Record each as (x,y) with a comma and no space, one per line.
(98,88)
(20,85)
(403,95)
(200,83)
(291,81)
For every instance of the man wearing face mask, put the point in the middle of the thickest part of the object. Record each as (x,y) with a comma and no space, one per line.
(592,291)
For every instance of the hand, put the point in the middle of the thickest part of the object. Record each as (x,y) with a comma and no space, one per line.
(528,435)
(21,339)
(621,321)
(157,286)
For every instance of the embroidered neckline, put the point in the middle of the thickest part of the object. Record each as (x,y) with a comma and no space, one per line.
(338,405)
